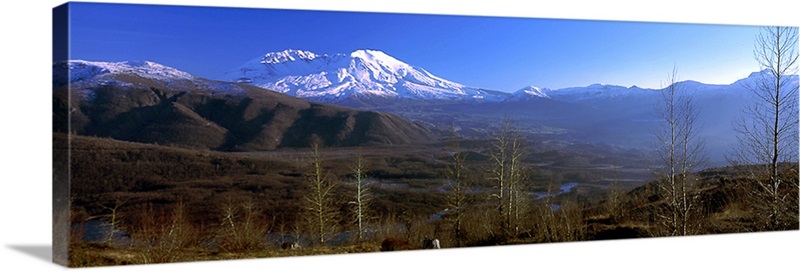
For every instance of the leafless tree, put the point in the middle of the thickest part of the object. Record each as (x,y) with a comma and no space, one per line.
(768,136)
(319,206)
(113,219)
(614,202)
(545,228)
(680,152)
(362,198)
(506,156)
(161,234)
(570,225)
(456,184)
(242,225)
(517,172)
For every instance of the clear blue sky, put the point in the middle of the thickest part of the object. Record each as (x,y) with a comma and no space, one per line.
(489,52)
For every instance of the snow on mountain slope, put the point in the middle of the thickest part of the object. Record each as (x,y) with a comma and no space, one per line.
(372,75)
(600,92)
(367,77)
(362,74)
(791,81)
(84,76)
(82,70)
(528,93)
(595,91)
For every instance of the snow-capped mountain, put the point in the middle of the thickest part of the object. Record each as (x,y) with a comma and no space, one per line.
(84,76)
(528,93)
(78,70)
(754,79)
(601,92)
(362,75)
(152,103)
(368,78)
(595,91)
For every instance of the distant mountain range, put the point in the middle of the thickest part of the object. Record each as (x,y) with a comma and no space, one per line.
(253,104)
(364,78)
(360,78)
(372,78)
(151,103)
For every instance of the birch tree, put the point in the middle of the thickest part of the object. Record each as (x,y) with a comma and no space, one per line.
(361,200)
(516,175)
(680,152)
(768,135)
(456,183)
(506,157)
(321,214)
(242,225)
(113,220)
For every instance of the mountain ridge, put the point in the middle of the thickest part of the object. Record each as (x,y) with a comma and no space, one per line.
(370,78)
(120,101)
(579,111)
(363,75)
(367,93)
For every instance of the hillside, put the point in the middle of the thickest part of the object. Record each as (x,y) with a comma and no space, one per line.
(153,105)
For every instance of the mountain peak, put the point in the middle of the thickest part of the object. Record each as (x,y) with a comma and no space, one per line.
(380,58)
(77,70)
(767,73)
(360,76)
(532,91)
(368,53)
(528,93)
(287,56)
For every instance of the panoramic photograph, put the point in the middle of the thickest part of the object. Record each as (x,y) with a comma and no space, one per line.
(189,133)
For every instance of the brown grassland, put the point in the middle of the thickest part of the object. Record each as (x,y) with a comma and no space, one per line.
(134,203)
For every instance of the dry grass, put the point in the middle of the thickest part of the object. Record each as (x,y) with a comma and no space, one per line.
(260,195)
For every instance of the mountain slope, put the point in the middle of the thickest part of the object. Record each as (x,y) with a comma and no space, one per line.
(526,94)
(363,77)
(152,103)
(629,113)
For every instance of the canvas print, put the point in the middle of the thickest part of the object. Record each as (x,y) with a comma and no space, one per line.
(204,133)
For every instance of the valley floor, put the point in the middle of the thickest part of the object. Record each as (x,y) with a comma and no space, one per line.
(133,203)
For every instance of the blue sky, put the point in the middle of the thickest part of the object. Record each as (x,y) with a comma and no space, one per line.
(490,52)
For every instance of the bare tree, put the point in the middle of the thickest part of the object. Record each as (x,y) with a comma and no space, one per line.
(319,202)
(242,225)
(113,220)
(545,228)
(499,170)
(515,174)
(160,234)
(507,168)
(362,198)
(570,225)
(614,202)
(456,184)
(768,137)
(615,198)
(680,152)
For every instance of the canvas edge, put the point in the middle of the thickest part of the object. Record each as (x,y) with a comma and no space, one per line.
(61,174)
